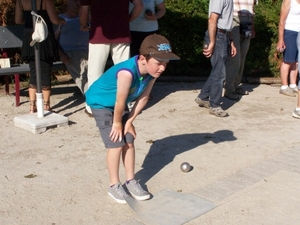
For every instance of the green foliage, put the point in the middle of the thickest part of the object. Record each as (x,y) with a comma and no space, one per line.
(184,25)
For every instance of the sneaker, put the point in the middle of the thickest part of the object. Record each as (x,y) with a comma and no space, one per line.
(136,190)
(218,111)
(233,96)
(202,103)
(117,193)
(288,91)
(296,114)
(295,90)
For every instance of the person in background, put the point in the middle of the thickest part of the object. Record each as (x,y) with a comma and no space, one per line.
(48,48)
(73,45)
(109,33)
(288,29)
(296,112)
(217,47)
(131,80)
(242,32)
(145,24)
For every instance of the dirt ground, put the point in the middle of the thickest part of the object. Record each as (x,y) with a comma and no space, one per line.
(60,176)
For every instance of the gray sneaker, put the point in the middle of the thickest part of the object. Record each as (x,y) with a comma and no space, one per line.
(202,103)
(295,90)
(288,91)
(137,191)
(117,193)
(218,111)
(296,114)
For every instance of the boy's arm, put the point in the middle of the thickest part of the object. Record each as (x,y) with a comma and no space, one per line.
(141,102)
(124,80)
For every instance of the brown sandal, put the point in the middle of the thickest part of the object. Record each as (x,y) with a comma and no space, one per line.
(33,108)
(47,106)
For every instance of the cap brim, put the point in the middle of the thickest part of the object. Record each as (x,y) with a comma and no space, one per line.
(165,56)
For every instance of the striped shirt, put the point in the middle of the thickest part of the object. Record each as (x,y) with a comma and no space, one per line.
(244,7)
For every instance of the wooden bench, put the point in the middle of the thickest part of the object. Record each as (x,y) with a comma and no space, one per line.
(11,37)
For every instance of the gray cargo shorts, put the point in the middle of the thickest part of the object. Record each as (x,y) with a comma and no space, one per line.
(104,121)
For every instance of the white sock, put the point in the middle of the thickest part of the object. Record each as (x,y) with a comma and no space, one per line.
(283,87)
(297,109)
(293,85)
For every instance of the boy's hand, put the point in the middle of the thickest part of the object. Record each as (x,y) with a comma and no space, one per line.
(116,133)
(129,128)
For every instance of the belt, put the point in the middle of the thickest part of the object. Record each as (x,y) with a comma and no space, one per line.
(222,31)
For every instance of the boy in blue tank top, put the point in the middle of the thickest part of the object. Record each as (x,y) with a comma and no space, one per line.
(128,81)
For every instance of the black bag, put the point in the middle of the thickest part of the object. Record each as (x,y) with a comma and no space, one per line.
(246,29)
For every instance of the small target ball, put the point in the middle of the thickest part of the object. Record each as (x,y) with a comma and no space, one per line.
(185,167)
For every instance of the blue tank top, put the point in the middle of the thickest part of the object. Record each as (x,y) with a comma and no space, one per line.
(103,92)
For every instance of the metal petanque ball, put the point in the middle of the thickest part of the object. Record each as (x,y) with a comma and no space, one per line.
(185,167)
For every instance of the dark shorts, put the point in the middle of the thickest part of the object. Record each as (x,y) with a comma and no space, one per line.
(104,120)
(290,54)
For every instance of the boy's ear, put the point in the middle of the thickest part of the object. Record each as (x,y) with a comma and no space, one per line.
(143,58)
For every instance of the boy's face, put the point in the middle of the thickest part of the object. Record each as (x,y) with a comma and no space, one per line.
(155,67)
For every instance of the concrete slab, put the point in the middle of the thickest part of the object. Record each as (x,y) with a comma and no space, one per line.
(169,207)
(274,201)
(33,124)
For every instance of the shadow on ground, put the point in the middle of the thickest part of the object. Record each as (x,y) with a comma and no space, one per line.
(162,89)
(163,151)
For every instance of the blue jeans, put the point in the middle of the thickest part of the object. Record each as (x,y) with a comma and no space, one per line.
(213,87)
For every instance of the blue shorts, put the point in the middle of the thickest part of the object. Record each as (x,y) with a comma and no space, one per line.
(290,54)
(104,121)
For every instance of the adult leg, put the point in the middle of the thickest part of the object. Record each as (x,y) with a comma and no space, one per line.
(46,70)
(293,74)
(290,56)
(32,87)
(218,73)
(244,47)
(135,43)
(77,67)
(284,75)
(233,63)
(120,52)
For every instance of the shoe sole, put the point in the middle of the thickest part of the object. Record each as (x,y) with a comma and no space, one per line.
(296,115)
(140,198)
(120,201)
